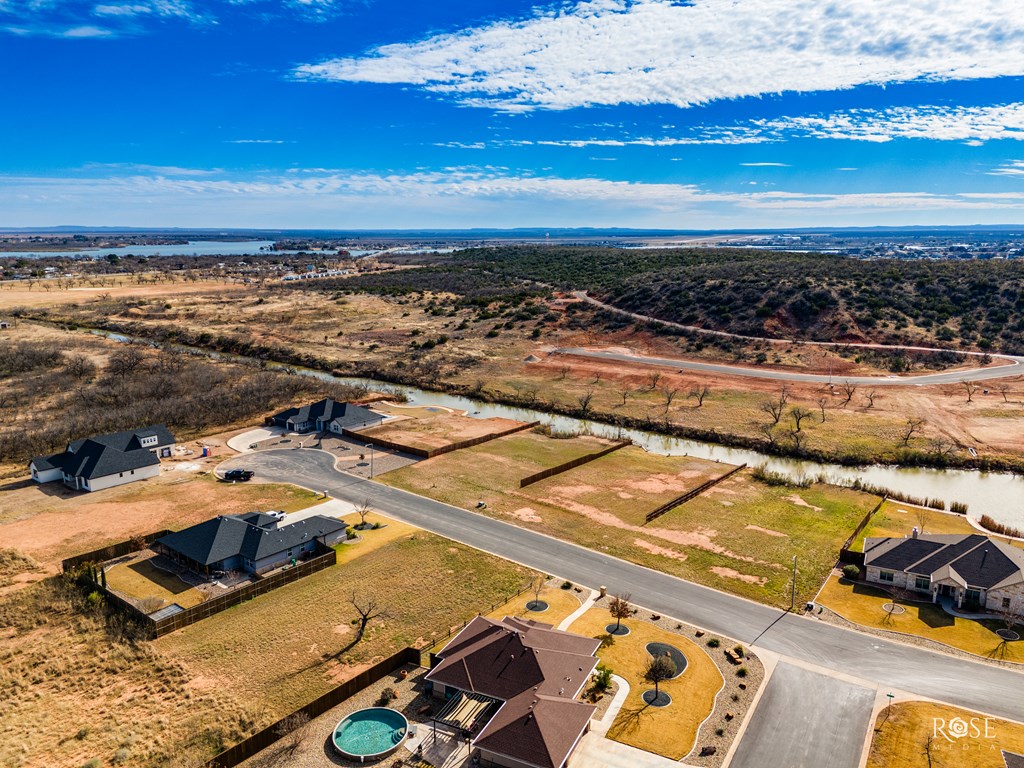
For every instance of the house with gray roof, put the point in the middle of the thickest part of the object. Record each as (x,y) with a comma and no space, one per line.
(326,415)
(254,543)
(105,461)
(512,686)
(969,569)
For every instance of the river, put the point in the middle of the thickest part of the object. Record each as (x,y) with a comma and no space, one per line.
(997,494)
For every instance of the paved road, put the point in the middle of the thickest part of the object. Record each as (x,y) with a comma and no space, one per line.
(796,701)
(1014,364)
(869,659)
(1014,368)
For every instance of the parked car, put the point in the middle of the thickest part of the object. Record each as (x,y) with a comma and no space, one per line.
(238,475)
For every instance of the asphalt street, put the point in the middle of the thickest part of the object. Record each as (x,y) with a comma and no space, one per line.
(796,701)
(871,661)
(1014,368)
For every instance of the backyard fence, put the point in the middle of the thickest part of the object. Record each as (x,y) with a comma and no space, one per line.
(692,493)
(120,549)
(261,740)
(846,555)
(544,474)
(325,558)
(427,453)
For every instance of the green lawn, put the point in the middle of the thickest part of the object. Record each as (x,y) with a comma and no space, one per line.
(139,579)
(862,604)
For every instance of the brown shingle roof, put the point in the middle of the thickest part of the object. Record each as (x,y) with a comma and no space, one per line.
(537,671)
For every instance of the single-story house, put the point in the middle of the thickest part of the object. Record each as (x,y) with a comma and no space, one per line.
(103,461)
(970,569)
(326,415)
(255,542)
(512,686)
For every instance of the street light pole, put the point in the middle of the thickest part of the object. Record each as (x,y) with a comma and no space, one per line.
(370,446)
(792,600)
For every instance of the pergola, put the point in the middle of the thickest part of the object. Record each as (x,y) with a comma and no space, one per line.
(465,712)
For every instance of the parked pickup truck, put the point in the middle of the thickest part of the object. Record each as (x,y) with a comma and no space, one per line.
(238,475)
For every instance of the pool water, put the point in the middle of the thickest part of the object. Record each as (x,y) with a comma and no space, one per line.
(370,732)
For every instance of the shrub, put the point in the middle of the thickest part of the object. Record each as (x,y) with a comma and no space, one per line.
(719,731)
(82,733)
(121,756)
(851,572)
(958,507)
(714,642)
(387,696)
(741,672)
(566,585)
(602,678)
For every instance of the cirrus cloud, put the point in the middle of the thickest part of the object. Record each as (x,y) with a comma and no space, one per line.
(606,52)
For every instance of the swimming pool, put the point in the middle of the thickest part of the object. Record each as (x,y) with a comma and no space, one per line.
(370,733)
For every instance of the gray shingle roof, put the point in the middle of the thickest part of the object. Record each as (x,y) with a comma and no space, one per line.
(979,561)
(328,410)
(109,454)
(253,536)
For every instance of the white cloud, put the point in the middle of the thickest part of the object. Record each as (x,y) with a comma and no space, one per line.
(669,52)
(1011,168)
(86,31)
(765,165)
(256,141)
(459,197)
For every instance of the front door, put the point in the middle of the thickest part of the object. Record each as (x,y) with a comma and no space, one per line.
(945,590)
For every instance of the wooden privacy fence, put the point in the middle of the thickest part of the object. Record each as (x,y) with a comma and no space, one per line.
(120,549)
(655,514)
(846,555)
(427,453)
(544,474)
(261,740)
(325,558)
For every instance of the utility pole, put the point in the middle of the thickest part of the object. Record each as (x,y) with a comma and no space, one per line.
(370,446)
(792,600)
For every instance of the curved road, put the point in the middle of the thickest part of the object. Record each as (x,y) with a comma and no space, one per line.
(843,669)
(1014,366)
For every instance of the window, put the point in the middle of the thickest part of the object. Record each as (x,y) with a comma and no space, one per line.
(922,583)
(133,471)
(972,596)
(121,474)
(885,576)
(1006,603)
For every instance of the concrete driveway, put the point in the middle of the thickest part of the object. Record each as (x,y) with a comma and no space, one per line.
(865,660)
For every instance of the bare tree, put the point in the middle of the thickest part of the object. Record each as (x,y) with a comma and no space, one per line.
(822,402)
(624,392)
(849,390)
(774,408)
(291,731)
(970,388)
(537,586)
(363,510)
(942,447)
(911,428)
(659,669)
(768,432)
(896,596)
(620,608)
(798,414)
(669,393)
(563,372)
(79,367)
(870,396)
(700,393)
(597,378)
(125,362)
(1003,389)
(921,518)
(799,439)
(1010,617)
(368,610)
(584,402)
(653,379)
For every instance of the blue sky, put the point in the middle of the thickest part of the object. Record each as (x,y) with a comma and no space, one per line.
(393,114)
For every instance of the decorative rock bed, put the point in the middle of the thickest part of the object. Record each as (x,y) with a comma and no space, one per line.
(893,610)
(621,631)
(661,700)
(1008,634)
(537,606)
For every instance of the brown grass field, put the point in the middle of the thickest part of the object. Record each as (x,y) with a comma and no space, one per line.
(905,737)
(429,429)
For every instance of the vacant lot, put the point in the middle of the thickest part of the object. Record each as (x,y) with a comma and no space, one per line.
(668,731)
(864,604)
(49,522)
(905,737)
(739,536)
(292,645)
(429,428)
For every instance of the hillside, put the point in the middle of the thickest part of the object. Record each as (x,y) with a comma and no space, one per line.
(959,304)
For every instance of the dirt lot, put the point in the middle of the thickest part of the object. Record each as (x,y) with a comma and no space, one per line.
(21,294)
(429,428)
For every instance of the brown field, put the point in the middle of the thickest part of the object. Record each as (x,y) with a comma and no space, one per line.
(430,429)
(19,294)
(740,536)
